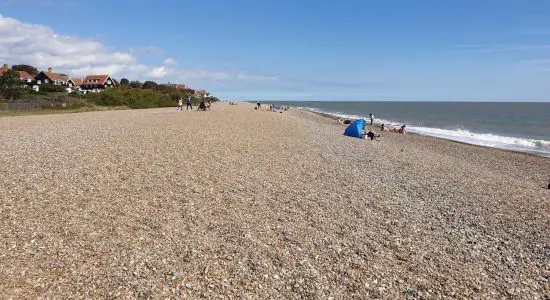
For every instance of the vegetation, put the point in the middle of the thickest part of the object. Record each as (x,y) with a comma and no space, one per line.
(51,88)
(135,84)
(29,69)
(10,85)
(150,85)
(129,94)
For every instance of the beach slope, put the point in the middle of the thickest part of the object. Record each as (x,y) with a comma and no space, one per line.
(242,203)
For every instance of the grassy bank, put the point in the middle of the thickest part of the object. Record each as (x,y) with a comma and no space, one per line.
(47,111)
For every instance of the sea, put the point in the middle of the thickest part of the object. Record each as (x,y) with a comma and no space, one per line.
(523,127)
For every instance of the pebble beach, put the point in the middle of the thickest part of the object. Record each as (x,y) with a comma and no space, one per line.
(235,203)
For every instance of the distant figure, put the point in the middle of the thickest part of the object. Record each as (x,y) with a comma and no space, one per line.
(402,130)
(180,105)
(382,127)
(340,121)
(189,103)
(202,106)
(258,106)
(371,118)
(209,104)
(371,135)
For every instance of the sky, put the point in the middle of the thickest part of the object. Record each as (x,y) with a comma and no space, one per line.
(424,50)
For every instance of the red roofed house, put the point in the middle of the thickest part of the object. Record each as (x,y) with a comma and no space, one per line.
(24,77)
(52,78)
(97,83)
(181,87)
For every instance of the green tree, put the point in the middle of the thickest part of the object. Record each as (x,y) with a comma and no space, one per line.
(149,85)
(124,81)
(135,84)
(10,85)
(29,69)
(166,88)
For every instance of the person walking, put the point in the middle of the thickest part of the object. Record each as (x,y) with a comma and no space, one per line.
(189,103)
(180,105)
(371,118)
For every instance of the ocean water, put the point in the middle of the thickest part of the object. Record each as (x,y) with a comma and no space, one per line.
(521,127)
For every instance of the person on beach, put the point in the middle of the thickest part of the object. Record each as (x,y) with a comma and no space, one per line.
(371,135)
(180,105)
(258,106)
(402,130)
(340,121)
(371,118)
(189,103)
(382,128)
(202,106)
(209,104)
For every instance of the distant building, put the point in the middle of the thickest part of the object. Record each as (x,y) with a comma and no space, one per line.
(97,83)
(181,87)
(24,77)
(201,93)
(52,78)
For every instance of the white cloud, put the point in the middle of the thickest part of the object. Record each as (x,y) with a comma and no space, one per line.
(42,47)
(159,72)
(170,61)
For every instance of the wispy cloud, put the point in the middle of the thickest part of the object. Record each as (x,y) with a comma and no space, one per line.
(502,48)
(170,61)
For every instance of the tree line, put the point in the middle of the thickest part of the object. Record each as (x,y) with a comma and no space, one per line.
(134,94)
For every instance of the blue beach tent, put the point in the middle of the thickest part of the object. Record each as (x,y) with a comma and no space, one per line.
(356,129)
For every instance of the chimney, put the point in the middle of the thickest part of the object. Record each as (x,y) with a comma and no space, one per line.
(5,68)
(49,69)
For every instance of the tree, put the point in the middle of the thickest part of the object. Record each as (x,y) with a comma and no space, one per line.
(10,85)
(166,88)
(150,85)
(124,81)
(29,69)
(135,84)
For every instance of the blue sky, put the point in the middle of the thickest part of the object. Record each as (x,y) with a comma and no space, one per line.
(310,50)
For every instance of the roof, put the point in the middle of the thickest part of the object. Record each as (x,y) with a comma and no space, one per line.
(22,75)
(90,78)
(55,76)
(181,86)
(77,81)
(25,75)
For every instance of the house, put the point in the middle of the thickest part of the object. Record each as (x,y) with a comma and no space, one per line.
(97,83)
(76,82)
(52,78)
(181,87)
(201,93)
(24,77)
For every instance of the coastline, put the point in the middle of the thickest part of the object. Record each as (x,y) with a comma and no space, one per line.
(378,124)
(242,203)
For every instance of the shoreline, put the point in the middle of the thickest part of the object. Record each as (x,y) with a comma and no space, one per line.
(377,125)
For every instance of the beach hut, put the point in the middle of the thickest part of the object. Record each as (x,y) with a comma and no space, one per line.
(356,129)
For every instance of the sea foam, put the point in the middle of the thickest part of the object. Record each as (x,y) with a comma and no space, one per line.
(539,147)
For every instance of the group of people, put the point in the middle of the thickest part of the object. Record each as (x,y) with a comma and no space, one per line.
(272,107)
(401,130)
(369,134)
(203,105)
